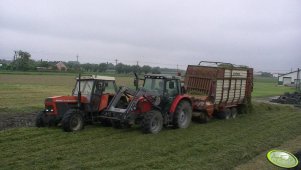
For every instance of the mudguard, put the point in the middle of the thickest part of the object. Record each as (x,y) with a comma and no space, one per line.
(176,101)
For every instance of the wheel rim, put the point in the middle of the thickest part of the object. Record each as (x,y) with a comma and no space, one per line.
(182,117)
(75,122)
(155,124)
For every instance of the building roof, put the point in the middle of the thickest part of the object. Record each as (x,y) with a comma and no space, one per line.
(96,77)
(289,73)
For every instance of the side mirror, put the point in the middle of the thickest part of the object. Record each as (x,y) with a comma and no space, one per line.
(171,85)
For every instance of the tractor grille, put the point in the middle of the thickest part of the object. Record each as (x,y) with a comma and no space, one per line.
(63,107)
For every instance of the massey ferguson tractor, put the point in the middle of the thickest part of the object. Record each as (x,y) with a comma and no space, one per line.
(89,99)
(160,102)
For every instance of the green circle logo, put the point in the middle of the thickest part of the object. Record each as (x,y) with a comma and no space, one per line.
(282,159)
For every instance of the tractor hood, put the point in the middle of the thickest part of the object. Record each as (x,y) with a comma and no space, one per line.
(65,99)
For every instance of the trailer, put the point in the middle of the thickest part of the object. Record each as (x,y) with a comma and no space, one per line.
(221,90)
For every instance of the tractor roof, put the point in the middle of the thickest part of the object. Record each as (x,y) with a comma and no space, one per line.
(95,77)
(161,76)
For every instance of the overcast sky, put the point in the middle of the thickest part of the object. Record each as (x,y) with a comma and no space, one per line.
(264,34)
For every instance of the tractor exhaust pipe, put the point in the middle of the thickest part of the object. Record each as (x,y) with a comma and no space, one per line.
(79,94)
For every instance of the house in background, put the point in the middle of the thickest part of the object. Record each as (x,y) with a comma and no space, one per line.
(291,78)
(61,66)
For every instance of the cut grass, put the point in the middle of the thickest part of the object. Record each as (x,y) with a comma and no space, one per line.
(219,144)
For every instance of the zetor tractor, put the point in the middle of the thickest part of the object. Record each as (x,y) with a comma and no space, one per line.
(160,102)
(89,98)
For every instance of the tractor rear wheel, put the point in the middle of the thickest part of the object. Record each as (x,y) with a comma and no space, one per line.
(225,114)
(233,113)
(40,119)
(72,121)
(152,122)
(182,115)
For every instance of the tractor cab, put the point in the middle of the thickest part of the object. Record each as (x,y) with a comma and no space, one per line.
(165,86)
(95,91)
(90,96)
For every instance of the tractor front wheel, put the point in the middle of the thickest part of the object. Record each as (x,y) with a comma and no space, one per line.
(72,121)
(40,119)
(152,122)
(182,115)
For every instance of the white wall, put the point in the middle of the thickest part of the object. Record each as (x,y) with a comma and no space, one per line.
(293,75)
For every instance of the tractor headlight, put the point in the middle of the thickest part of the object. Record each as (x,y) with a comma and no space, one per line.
(49,109)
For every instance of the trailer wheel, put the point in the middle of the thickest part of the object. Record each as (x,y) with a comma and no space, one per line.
(233,113)
(40,119)
(225,114)
(152,122)
(204,118)
(182,115)
(72,121)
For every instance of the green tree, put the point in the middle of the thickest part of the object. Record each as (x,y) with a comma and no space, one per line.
(22,61)
(146,69)
(102,67)
(156,70)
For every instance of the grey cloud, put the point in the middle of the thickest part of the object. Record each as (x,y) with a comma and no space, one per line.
(169,32)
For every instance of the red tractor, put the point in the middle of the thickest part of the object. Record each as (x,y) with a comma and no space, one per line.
(90,97)
(160,102)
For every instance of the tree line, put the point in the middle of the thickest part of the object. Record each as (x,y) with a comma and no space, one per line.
(22,62)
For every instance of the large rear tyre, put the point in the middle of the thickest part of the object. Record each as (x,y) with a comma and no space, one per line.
(225,114)
(72,121)
(40,120)
(182,115)
(152,122)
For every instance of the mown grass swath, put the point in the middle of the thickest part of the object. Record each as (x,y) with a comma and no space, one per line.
(216,145)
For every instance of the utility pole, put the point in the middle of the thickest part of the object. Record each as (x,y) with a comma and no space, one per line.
(78,67)
(298,83)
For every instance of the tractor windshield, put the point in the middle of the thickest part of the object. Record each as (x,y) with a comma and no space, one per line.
(154,85)
(85,87)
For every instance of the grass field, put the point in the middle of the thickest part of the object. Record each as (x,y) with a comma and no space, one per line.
(218,144)
(266,87)
(22,93)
